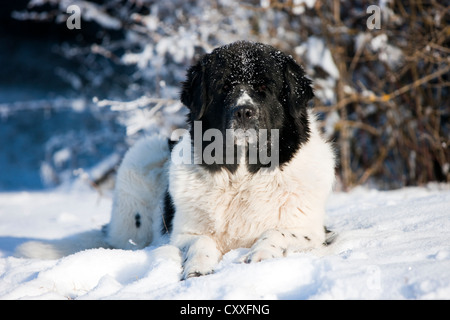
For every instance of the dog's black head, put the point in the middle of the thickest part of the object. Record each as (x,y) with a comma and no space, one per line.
(247,86)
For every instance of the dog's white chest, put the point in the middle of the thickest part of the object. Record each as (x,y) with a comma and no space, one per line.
(236,209)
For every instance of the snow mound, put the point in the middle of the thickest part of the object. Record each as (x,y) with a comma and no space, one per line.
(390,245)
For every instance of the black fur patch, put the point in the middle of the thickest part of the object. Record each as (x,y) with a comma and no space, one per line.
(168,214)
(137,220)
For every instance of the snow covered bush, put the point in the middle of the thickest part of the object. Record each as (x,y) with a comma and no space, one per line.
(383,93)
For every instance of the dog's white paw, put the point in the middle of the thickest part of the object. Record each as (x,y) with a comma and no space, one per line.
(276,244)
(265,248)
(259,254)
(198,265)
(200,257)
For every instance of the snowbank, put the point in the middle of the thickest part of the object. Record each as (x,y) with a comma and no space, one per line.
(390,245)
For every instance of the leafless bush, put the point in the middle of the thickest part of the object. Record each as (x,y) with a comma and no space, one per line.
(390,116)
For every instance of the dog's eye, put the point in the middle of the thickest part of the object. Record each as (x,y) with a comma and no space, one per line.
(262,88)
(226,87)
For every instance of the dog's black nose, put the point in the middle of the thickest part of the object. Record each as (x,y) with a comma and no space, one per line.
(244,114)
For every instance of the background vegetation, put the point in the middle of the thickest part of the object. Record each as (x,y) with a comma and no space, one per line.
(383,94)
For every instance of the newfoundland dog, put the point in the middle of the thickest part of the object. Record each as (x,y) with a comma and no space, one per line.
(252,171)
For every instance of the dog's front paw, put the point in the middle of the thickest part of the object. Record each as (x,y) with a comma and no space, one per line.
(259,254)
(278,243)
(200,257)
(198,265)
(268,246)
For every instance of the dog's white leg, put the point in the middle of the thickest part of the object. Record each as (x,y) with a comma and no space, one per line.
(200,254)
(276,243)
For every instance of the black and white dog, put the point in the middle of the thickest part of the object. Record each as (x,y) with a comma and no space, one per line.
(252,170)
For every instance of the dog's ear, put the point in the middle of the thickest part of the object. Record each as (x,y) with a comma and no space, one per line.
(299,90)
(193,94)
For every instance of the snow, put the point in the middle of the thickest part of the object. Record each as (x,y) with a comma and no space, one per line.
(317,54)
(299,6)
(386,52)
(390,245)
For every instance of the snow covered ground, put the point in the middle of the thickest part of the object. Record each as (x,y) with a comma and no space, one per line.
(390,245)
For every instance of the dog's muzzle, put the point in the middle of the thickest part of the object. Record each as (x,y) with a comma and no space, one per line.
(245,117)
